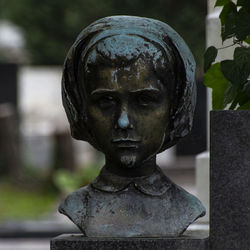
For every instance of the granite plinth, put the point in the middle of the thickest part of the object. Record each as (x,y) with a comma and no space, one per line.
(79,242)
(230,180)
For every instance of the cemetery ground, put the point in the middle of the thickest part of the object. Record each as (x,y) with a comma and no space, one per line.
(19,202)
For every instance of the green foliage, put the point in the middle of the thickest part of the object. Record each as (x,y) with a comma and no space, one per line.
(210,56)
(247,40)
(230,94)
(228,21)
(221,2)
(18,203)
(68,182)
(229,79)
(243,24)
(245,106)
(216,80)
(50,26)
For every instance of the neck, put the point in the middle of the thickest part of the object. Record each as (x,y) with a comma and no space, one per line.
(145,168)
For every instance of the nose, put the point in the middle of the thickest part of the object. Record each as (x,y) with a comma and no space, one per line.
(123,121)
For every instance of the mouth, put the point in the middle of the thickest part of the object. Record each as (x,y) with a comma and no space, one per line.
(126,143)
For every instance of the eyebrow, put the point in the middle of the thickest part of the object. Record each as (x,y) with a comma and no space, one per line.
(105,91)
(102,91)
(146,89)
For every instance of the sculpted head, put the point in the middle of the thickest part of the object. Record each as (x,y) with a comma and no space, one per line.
(127,92)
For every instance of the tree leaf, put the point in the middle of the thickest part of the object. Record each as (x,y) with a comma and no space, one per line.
(242,24)
(209,57)
(214,79)
(245,106)
(240,100)
(237,74)
(230,94)
(242,62)
(242,55)
(247,40)
(246,88)
(221,2)
(244,3)
(228,20)
(228,9)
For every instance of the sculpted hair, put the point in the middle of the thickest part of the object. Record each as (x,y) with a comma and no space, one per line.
(119,49)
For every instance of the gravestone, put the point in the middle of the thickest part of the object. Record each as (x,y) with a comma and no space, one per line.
(63,151)
(230,180)
(9,141)
(42,115)
(8,83)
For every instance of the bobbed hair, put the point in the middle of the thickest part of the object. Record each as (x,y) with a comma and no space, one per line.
(173,49)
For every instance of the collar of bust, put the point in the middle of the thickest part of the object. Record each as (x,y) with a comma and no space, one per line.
(154,185)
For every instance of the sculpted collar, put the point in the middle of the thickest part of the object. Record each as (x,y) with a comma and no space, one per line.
(154,185)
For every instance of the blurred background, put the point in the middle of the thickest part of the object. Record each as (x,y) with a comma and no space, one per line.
(39,162)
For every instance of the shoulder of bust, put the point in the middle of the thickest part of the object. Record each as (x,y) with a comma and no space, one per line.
(75,206)
(194,205)
(189,206)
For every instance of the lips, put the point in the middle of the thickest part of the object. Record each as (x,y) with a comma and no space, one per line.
(126,143)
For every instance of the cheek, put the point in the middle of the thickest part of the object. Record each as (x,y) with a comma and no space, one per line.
(153,125)
(99,122)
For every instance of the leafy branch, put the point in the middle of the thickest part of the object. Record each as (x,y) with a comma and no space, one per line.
(229,79)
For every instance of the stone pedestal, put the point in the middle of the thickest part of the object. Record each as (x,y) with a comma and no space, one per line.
(230,180)
(79,242)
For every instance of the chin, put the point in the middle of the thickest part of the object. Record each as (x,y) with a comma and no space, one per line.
(128,161)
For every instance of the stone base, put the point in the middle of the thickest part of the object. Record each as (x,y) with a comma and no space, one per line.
(79,242)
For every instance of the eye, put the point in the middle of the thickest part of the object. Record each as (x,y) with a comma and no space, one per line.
(145,99)
(106,102)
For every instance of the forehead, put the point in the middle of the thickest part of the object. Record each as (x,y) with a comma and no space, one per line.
(124,47)
(137,75)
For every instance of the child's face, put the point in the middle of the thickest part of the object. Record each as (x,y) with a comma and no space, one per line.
(128,112)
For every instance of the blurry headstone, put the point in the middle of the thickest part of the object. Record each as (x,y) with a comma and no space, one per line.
(42,114)
(63,151)
(8,83)
(9,144)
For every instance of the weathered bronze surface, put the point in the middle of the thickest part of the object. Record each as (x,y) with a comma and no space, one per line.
(128,89)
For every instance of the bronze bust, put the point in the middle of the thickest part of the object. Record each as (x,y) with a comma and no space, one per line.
(128,89)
